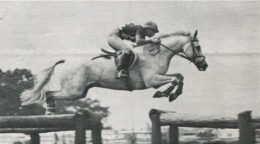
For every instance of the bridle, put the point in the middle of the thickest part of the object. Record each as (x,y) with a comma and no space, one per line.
(194,57)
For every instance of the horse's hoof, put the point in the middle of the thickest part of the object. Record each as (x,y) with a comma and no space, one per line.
(172,97)
(157,94)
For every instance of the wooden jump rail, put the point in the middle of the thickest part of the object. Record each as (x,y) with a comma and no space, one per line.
(81,121)
(243,122)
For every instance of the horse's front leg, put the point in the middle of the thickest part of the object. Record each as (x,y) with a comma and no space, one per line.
(167,91)
(174,80)
(179,89)
(160,80)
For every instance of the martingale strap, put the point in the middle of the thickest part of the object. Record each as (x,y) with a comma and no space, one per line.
(180,55)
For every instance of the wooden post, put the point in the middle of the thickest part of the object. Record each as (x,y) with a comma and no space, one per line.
(35,138)
(246,132)
(80,132)
(96,133)
(173,135)
(156,127)
(50,106)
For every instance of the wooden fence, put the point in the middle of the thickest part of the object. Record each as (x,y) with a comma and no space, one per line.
(33,125)
(244,122)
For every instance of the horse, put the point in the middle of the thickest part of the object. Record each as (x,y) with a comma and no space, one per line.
(149,71)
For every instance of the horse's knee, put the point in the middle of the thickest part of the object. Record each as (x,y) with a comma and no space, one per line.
(175,82)
(154,83)
(180,77)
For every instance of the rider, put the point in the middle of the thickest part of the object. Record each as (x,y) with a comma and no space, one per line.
(133,33)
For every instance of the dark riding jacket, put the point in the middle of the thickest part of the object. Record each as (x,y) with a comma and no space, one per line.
(132,32)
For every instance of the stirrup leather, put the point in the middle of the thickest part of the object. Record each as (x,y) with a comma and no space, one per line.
(121,74)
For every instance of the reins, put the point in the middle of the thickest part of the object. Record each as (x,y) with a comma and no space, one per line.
(185,57)
(175,53)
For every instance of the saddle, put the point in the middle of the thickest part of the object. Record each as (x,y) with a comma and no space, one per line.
(116,55)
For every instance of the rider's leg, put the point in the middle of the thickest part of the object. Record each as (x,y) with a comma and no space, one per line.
(123,58)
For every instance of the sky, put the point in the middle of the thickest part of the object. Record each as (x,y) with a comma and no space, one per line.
(82,27)
(33,33)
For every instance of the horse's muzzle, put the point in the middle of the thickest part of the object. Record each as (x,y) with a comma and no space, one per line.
(203,66)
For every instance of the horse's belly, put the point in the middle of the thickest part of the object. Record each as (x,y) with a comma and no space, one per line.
(136,80)
(107,77)
(120,84)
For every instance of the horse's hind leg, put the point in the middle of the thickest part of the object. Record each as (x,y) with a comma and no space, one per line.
(51,96)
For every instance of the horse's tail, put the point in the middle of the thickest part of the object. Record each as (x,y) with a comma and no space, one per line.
(37,94)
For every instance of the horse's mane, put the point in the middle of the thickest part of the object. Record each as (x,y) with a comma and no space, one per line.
(179,33)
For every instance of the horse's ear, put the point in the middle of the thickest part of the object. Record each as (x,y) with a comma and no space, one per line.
(195,34)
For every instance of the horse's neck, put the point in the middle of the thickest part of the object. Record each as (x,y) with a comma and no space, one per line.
(175,43)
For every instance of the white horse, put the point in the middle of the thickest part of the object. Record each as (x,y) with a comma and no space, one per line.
(148,71)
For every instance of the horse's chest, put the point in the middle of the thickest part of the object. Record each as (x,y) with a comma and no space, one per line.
(157,69)
(162,69)
(136,80)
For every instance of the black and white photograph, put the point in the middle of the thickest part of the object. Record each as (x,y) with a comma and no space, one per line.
(129,72)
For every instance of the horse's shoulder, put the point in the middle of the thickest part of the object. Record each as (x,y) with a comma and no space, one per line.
(146,51)
(139,50)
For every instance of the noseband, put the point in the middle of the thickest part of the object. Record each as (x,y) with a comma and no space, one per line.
(194,57)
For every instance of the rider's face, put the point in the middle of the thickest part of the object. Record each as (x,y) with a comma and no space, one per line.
(150,32)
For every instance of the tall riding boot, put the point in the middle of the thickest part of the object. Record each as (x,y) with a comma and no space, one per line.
(122,65)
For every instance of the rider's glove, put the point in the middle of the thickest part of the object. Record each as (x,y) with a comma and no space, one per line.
(156,41)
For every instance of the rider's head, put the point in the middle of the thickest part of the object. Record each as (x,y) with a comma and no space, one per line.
(150,28)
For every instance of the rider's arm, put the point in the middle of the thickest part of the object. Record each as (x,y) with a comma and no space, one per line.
(140,40)
(185,33)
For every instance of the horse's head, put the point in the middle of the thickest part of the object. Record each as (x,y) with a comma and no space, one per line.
(183,44)
(192,51)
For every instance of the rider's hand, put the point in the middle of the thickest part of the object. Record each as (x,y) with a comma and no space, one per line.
(156,41)
(134,45)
